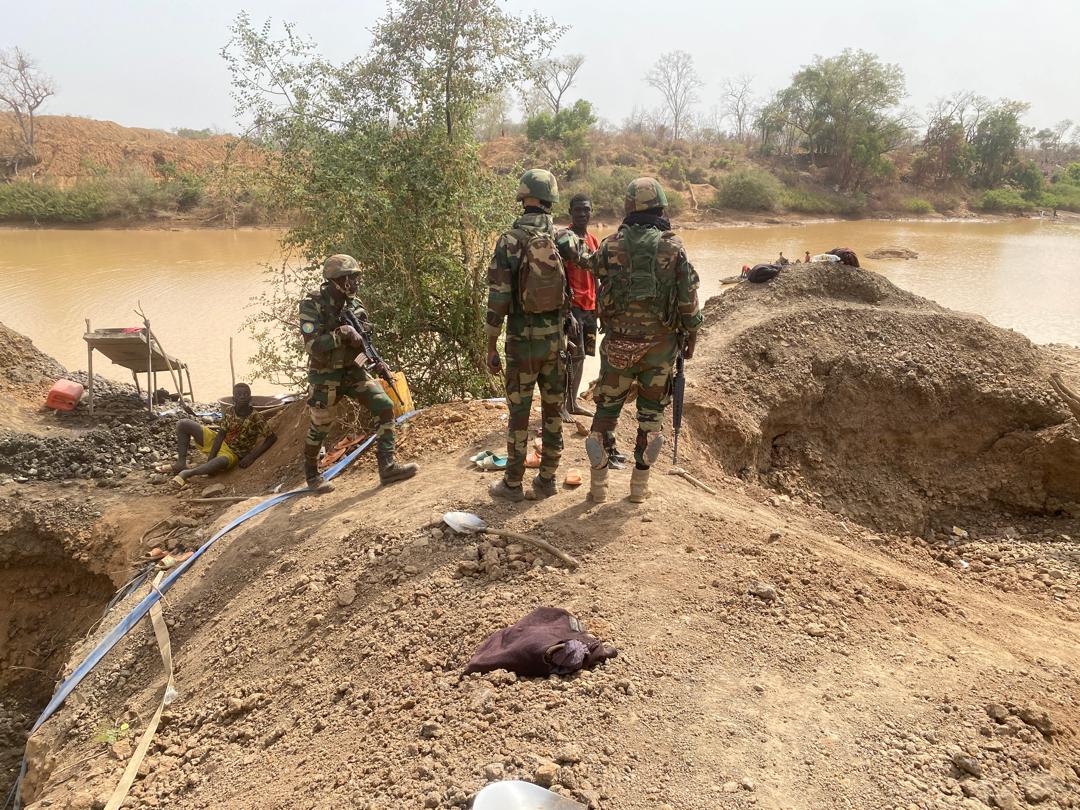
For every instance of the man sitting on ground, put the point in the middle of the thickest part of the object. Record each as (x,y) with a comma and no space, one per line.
(234,441)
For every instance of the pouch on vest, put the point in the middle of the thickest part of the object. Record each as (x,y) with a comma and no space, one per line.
(642,245)
(541,276)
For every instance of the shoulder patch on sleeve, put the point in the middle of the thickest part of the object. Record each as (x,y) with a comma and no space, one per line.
(307,327)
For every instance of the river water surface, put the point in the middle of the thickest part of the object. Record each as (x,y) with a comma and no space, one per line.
(196,286)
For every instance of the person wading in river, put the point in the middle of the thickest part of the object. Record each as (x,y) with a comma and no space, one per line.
(233,442)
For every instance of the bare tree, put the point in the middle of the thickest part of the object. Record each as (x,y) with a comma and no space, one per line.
(555,76)
(739,105)
(674,76)
(24,88)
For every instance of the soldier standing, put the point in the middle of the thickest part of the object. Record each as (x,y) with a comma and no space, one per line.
(328,323)
(648,304)
(527,288)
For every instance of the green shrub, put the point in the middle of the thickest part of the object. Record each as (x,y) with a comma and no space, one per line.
(1003,199)
(810,202)
(673,168)
(747,190)
(917,205)
(721,163)
(1065,196)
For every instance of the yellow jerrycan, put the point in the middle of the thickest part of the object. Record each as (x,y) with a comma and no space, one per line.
(399,392)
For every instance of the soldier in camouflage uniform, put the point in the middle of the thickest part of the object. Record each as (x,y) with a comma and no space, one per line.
(648,304)
(534,330)
(333,347)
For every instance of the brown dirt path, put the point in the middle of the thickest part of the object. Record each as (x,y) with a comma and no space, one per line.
(853,685)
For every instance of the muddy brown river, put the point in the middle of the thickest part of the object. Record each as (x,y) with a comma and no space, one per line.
(196,286)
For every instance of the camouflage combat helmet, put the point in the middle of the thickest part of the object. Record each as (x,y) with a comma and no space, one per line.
(338,266)
(539,183)
(643,194)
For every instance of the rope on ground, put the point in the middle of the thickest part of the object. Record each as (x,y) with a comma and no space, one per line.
(161,633)
(143,607)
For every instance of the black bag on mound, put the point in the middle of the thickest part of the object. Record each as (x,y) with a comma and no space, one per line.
(760,273)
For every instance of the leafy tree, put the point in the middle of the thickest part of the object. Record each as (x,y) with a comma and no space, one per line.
(841,107)
(678,82)
(437,60)
(394,181)
(996,142)
(1027,176)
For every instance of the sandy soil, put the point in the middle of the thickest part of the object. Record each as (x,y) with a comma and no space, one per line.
(773,654)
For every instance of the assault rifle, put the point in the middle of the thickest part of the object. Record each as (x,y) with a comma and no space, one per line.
(678,391)
(373,361)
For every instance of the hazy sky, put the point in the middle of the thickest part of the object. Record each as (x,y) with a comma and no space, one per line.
(156,64)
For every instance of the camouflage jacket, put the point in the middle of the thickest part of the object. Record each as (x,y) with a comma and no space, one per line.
(319,319)
(665,303)
(242,432)
(503,276)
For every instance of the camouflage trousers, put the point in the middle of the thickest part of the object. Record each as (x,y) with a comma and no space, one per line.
(622,364)
(532,362)
(325,391)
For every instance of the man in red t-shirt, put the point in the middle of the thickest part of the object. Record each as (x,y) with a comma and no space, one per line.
(583,304)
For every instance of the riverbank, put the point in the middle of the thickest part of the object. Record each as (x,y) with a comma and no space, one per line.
(689,220)
(837,624)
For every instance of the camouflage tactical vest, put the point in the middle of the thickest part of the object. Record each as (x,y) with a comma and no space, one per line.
(639,282)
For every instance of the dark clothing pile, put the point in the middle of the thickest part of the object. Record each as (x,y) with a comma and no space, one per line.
(549,641)
(846,256)
(760,273)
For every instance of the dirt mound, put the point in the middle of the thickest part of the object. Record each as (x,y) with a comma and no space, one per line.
(833,385)
(22,363)
(892,253)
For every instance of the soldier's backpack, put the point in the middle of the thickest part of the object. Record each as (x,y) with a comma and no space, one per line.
(541,275)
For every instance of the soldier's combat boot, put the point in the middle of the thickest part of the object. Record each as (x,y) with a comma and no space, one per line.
(390,471)
(598,484)
(544,487)
(315,481)
(501,489)
(639,485)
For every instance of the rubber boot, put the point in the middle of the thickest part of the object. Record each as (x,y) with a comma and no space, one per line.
(639,485)
(315,481)
(598,484)
(390,471)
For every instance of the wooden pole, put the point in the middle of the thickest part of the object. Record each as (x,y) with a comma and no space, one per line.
(149,366)
(232,368)
(90,366)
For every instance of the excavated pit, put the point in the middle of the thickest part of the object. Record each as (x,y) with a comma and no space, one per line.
(49,600)
(835,386)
